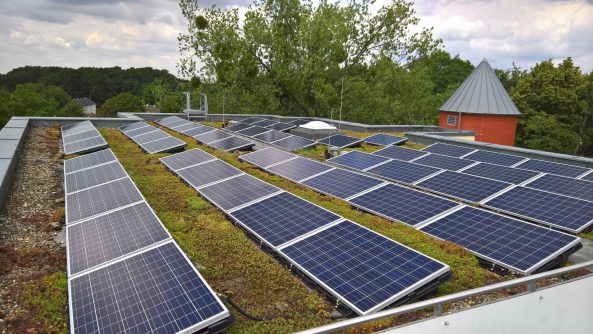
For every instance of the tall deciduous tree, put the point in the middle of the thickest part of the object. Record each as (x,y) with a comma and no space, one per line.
(124,102)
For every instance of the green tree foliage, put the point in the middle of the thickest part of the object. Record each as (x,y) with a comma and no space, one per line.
(98,84)
(124,102)
(167,95)
(556,103)
(35,99)
(290,57)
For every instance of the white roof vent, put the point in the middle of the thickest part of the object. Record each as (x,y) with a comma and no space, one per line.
(318,125)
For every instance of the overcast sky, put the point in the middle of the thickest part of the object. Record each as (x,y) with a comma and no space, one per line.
(138,33)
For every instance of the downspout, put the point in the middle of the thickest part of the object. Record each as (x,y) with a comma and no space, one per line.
(459,122)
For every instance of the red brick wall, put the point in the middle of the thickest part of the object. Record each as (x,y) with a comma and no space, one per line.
(488,128)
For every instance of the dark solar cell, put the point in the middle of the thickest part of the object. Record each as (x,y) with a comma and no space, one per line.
(212,136)
(358,160)
(298,169)
(148,137)
(157,291)
(340,141)
(199,131)
(186,159)
(382,139)
(164,145)
(341,183)
(566,213)
(552,168)
(564,186)
(93,176)
(468,187)
(133,126)
(167,120)
(281,126)
(85,145)
(501,173)
(443,162)
(448,149)
(140,131)
(294,143)
(511,243)
(494,158)
(89,160)
(251,120)
(271,136)
(253,131)
(231,144)
(265,123)
(402,171)
(362,268)
(588,177)
(237,191)
(402,204)
(209,172)
(81,136)
(267,157)
(112,235)
(282,217)
(399,153)
(238,127)
(299,122)
(76,127)
(186,127)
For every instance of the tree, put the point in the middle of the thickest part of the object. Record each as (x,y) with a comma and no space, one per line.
(290,56)
(167,95)
(124,102)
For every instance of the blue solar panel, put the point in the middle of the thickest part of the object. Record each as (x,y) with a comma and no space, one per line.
(358,160)
(186,159)
(402,204)
(212,136)
(448,150)
(399,153)
(382,139)
(283,217)
(167,120)
(363,269)
(564,186)
(403,171)
(341,183)
(552,168)
(566,213)
(265,123)
(281,126)
(252,120)
(187,127)
(298,169)
(89,160)
(294,143)
(340,141)
(501,173)
(237,191)
(206,173)
(168,144)
(232,144)
(94,176)
(494,158)
(267,157)
(253,131)
(157,291)
(271,136)
(468,187)
(134,126)
(588,177)
(199,131)
(238,127)
(513,244)
(444,162)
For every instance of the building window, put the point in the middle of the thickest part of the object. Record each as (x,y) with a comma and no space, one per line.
(451,120)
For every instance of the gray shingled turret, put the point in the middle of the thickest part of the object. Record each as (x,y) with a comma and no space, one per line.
(481,93)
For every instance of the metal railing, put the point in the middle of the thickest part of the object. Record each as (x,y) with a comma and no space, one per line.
(437,304)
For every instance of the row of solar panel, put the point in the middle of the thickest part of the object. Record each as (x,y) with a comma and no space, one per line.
(206,134)
(510,243)
(126,274)
(361,268)
(82,137)
(531,195)
(152,139)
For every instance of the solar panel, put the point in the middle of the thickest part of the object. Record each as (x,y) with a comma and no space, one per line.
(186,159)
(174,124)
(298,169)
(237,191)
(139,131)
(281,218)
(238,127)
(358,160)
(500,173)
(133,126)
(265,123)
(186,127)
(89,160)
(565,213)
(468,187)
(252,131)
(271,136)
(267,157)
(156,291)
(299,122)
(81,135)
(402,204)
(361,268)
(110,236)
(168,144)
(85,145)
(513,244)
(294,143)
(564,186)
(399,153)
(169,119)
(232,144)
(209,172)
(148,137)
(443,162)
(212,136)
(448,150)
(403,171)
(588,177)
(251,120)
(341,183)
(100,199)
(71,129)
(552,168)
(494,158)
(199,131)
(340,141)
(281,126)
(382,139)
(93,176)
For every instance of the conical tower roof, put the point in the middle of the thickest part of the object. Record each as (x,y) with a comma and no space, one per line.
(481,93)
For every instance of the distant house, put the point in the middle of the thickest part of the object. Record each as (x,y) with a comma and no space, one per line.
(481,104)
(89,107)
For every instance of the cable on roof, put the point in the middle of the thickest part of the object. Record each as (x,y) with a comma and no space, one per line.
(243,312)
